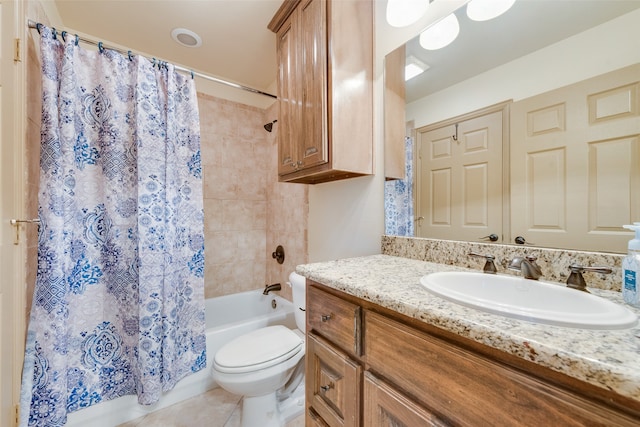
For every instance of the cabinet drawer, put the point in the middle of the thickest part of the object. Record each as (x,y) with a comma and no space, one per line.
(332,383)
(335,319)
(468,389)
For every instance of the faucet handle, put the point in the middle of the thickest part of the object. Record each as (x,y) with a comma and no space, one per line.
(575,279)
(489,265)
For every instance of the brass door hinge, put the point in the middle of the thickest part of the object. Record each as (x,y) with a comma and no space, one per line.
(17,415)
(17,50)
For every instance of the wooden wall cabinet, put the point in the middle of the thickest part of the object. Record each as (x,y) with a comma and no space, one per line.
(395,152)
(325,89)
(369,366)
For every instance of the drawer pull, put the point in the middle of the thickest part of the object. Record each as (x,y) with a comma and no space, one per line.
(325,317)
(326,388)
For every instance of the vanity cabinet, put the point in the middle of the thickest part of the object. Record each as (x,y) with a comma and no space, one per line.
(404,372)
(325,89)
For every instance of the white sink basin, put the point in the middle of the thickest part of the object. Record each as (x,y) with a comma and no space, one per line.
(530,300)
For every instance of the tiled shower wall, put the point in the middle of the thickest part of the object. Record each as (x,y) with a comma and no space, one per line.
(247,212)
(287,213)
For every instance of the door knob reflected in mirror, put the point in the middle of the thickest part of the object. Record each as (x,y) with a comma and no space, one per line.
(521,241)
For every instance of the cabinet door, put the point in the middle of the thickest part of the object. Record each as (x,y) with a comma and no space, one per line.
(312,144)
(333,383)
(314,420)
(325,51)
(470,390)
(385,407)
(289,111)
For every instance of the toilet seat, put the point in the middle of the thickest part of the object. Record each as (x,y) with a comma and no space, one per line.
(259,349)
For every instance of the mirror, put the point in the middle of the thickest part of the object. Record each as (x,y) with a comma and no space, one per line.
(536,47)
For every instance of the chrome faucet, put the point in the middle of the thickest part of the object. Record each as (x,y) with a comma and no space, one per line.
(527,266)
(269,288)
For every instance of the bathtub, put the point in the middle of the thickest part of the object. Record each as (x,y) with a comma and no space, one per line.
(226,318)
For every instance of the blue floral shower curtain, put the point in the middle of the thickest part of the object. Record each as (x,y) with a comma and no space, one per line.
(398,199)
(118,306)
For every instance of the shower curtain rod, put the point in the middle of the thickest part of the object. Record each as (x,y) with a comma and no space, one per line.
(34,25)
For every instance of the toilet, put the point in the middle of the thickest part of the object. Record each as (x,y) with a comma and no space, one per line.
(266,367)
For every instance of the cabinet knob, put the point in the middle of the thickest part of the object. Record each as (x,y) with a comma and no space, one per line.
(326,388)
(325,317)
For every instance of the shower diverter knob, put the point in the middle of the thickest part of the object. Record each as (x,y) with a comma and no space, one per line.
(278,255)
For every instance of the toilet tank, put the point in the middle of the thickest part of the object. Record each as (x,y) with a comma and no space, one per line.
(299,289)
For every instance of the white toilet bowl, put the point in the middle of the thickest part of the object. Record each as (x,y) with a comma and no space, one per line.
(259,364)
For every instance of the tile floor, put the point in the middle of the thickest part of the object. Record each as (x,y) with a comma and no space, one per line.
(215,408)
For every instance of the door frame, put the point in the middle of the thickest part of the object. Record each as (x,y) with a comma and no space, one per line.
(12,206)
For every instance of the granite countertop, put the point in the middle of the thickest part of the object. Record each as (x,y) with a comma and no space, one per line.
(606,358)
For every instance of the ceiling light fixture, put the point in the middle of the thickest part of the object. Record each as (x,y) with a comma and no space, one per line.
(440,34)
(484,10)
(186,37)
(414,67)
(401,13)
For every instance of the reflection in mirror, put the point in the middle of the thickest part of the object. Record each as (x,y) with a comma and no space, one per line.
(552,89)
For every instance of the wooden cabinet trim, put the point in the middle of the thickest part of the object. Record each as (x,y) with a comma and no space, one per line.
(285,10)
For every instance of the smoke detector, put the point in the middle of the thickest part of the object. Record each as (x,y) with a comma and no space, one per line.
(186,37)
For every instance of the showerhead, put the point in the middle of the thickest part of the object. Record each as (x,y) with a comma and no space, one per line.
(269,126)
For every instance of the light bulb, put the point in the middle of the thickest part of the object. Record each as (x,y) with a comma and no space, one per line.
(440,34)
(483,10)
(401,13)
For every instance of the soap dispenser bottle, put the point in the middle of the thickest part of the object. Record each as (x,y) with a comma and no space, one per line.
(631,269)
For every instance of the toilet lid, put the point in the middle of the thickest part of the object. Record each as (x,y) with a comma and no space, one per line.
(259,349)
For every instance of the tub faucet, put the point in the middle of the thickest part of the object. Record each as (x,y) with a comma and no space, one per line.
(527,266)
(269,288)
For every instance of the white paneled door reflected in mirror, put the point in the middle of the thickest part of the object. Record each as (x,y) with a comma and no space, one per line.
(528,125)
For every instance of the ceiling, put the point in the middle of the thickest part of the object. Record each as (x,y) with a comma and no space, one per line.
(238,47)
(236,44)
(528,26)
